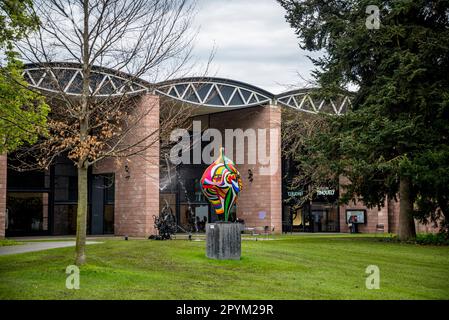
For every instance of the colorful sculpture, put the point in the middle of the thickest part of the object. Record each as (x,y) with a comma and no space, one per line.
(221,184)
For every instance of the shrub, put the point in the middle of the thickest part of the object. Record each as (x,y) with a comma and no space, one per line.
(432,239)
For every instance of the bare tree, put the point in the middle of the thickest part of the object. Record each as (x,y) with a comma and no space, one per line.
(147,39)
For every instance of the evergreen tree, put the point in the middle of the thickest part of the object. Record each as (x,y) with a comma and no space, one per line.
(395,139)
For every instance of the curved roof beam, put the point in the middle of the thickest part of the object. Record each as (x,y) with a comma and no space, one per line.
(305,100)
(214,92)
(67,78)
(211,92)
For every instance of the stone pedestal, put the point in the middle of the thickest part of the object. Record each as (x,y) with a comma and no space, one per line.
(223,240)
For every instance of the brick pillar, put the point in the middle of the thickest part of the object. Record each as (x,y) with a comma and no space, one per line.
(137,189)
(262,196)
(393,215)
(3,172)
(275,179)
(382,216)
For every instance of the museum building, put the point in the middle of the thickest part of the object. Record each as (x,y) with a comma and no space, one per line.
(125,197)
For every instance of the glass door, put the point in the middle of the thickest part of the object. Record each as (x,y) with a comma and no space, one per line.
(319,220)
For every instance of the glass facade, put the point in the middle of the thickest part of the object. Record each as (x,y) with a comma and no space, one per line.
(28,198)
(184,196)
(181,190)
(45,202)
(65,188)
(27,213)
(321,214)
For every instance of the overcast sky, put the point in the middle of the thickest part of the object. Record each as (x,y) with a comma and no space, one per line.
(253,42)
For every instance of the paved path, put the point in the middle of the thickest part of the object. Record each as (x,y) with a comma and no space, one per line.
(38,246)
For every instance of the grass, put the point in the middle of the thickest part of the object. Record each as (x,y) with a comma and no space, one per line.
(7,242)
(290,267)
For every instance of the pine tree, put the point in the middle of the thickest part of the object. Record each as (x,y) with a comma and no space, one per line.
(395,139)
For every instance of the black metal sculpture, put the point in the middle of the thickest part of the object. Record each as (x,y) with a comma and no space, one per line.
(165,223)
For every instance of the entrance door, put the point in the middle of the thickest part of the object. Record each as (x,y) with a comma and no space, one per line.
(319,219)
(98,187)
(102,204)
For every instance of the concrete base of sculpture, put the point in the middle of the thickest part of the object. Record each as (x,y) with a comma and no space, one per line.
(223,240)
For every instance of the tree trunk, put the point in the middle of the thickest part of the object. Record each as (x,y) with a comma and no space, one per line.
(406,221)
(81,220)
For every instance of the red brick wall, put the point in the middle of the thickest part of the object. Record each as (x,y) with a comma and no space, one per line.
(263,194)
(393,213)
(3,173)
(426,228)
(388,215)
(393,216)
(137,192)
(374,216)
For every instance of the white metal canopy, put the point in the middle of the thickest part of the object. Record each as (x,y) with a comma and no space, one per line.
(206,92)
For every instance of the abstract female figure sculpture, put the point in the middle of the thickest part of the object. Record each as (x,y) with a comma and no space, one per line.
(221,184)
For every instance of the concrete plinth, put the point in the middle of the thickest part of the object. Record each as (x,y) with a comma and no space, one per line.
(223,240)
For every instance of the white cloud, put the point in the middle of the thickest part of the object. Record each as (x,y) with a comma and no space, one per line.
(254,43)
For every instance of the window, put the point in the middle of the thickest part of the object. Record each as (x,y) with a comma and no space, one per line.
(66,188)
(64,219)
(27,213)
(109,199)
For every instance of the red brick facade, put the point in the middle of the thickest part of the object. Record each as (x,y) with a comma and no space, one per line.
(387,216)
(2,195)
(137,180)
(393,216)
(375,218)
(426,228)
(260,201)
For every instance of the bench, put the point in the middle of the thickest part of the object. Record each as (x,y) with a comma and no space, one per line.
(256,231)
(380,228)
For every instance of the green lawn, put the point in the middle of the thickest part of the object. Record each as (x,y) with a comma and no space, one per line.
(290,267)
(6,242)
